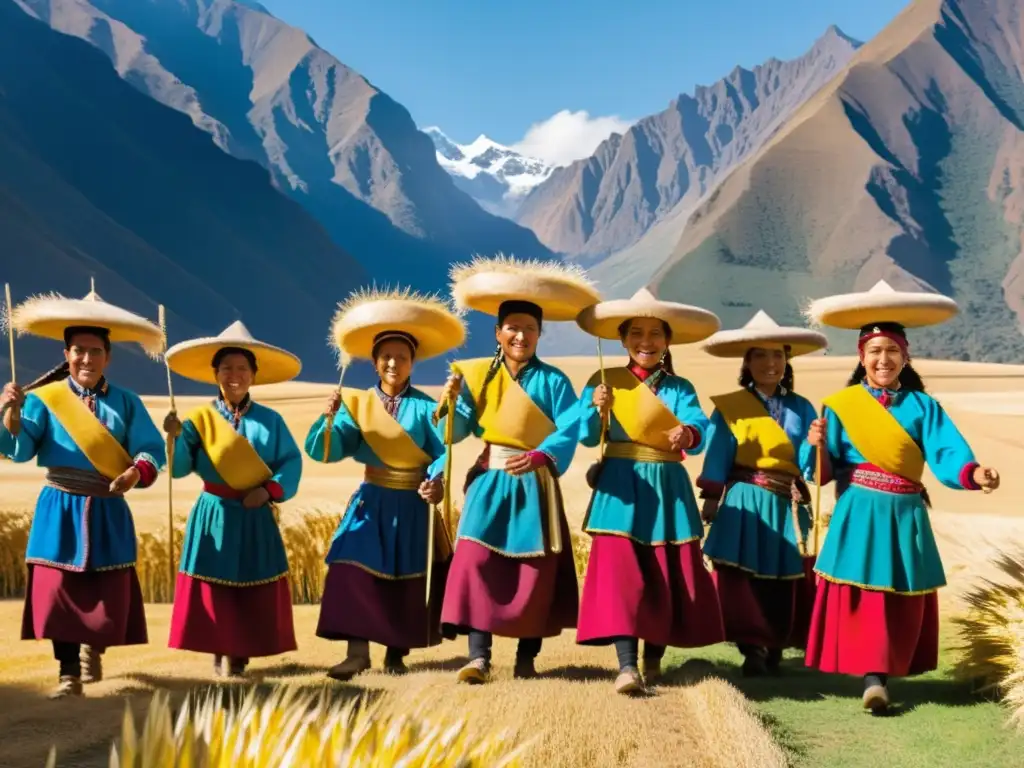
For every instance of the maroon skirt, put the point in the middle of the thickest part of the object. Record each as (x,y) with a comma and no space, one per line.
(97,608)
(857,631)
(522,597)
(772,613)
(240,622)
(393,612)
(661,594)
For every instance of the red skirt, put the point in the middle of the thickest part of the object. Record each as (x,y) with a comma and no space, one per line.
(523,597)
(240,622)
(393,612)
(857,631)
(771,613)
(97,608)
(663,595)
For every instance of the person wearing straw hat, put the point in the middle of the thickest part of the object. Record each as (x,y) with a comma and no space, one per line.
(97,442)
(381,585)
(232,598)
(513,573)
(754,486)
(646,576)
(876,610)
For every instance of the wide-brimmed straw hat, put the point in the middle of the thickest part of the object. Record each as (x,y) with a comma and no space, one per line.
(193,359)
(368,314)
(882,304)
(688,323)
(560,290)
(49,315)
(763,332)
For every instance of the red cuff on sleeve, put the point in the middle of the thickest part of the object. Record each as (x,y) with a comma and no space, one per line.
(147,473)
(538,459)
(274,489)
(710,489)
(967,477)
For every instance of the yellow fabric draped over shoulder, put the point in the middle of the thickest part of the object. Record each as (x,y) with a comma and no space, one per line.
(382,432)
(518,422)
(90,435)
(640,412)
(234,458)
(876,433)
(760,442)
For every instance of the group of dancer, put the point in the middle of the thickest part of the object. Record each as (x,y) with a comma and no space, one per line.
(864,605)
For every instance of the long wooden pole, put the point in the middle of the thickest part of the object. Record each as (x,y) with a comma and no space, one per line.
(816,512)
(15,413)
(604,421)
(170,465)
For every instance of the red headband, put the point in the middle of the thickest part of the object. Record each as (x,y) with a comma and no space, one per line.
(900,341)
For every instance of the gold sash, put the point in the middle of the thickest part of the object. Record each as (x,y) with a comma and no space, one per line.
(382,432)
(88,433)
(640,412)
(876,433)
(642,453)
(234,458)
(760,442)
(518,422)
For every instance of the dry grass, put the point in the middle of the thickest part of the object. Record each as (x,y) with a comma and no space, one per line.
(296,728)
(992,635)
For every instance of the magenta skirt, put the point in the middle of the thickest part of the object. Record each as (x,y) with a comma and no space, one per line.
(241,622)
(857,631)
(772,613)
(523,597)
(663,595)
(97,608)
(393,612)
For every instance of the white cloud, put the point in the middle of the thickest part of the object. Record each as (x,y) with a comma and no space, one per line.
(568,136)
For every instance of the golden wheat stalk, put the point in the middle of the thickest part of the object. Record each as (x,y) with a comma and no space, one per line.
(298,728)
(991,634)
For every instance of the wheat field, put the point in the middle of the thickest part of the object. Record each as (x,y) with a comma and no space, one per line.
(570,716)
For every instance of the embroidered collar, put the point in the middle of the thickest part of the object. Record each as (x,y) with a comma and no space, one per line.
(234,415)
(884,395)
(652,377)
(392,402)
(100,390)
(774,403)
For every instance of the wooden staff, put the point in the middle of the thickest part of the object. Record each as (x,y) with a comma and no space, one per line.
(329,423)
(816,511)
(446,504)
(605,422)
(15,413)
(170,463)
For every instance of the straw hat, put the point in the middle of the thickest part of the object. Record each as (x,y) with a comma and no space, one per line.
(194,359)
(560,290)
(882,304)
(365,314)
(688,323)
(761,331)
(48,315)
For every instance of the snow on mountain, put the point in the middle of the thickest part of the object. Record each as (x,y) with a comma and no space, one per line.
(495,176)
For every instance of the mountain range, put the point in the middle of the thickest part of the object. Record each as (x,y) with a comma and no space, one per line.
(206,155)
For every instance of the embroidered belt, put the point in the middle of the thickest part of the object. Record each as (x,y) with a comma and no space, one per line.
(638,452)
(499,454)
(80,482)
(781,484)
(394,479)
(870,476)
(224,491)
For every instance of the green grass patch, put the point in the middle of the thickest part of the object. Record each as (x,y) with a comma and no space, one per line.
(818,719)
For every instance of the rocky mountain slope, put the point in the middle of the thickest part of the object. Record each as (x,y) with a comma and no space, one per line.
(670,160)
(908,167)
(266,91)
(98,180)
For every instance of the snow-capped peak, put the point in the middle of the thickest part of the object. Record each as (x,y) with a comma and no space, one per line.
(497,176)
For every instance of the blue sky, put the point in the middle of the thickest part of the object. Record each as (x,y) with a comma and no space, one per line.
(501,67)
